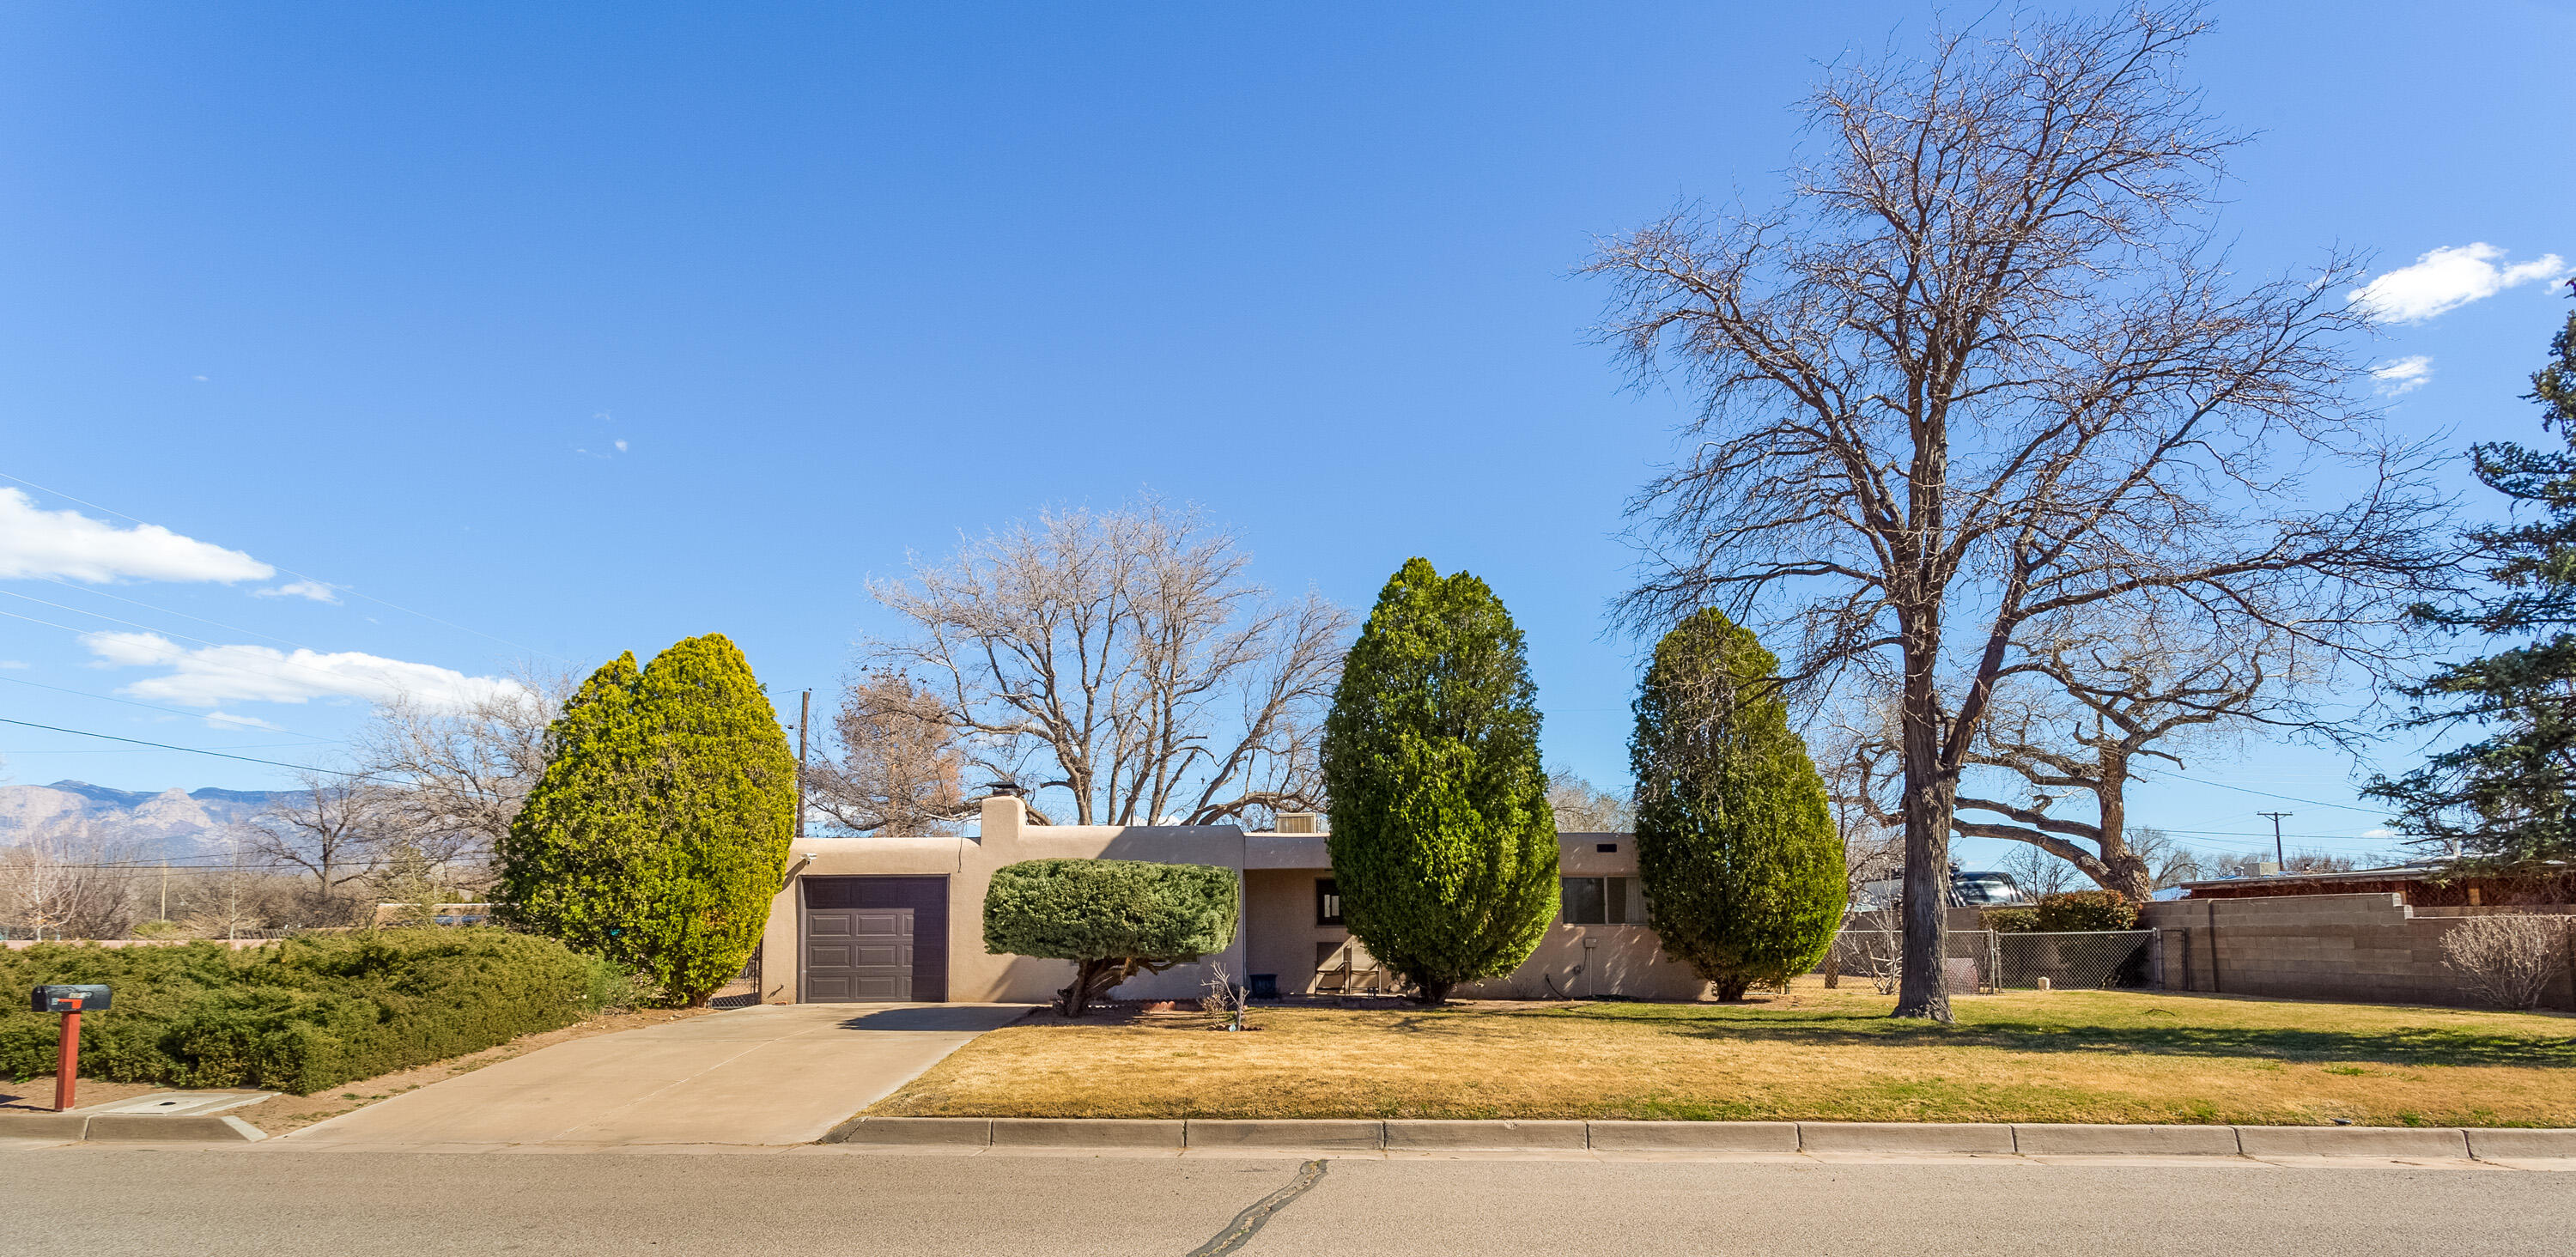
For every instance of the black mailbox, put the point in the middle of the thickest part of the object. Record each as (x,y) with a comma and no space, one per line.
(71,999)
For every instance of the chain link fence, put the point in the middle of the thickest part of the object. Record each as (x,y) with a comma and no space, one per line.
(1987,961)
(2074,961)
(1874,956)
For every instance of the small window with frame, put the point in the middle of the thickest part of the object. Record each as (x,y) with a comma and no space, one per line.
(1328,902)
(1595,900)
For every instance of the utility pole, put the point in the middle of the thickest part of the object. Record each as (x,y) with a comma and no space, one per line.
(2280,860)
(165,890)
(804,713)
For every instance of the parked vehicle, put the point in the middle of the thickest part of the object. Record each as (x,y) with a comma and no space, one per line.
(1969,888)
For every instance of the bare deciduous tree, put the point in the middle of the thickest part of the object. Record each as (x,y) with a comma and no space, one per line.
(892,763)
(454,779)
(2080,719)
(331,830)
(1125,660)
(67,882)
(1584,808)
(1982,371)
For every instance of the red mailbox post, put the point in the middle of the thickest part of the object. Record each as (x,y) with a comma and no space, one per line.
(69,1001)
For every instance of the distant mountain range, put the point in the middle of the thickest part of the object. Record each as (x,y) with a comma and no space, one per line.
(170,825)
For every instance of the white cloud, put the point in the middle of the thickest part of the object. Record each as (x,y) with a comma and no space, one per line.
(13,663)
(2448,278)
(621,447)
(2377,833)
(209,676)
(227,720)
(68,544)
(2403,376)
(318,591)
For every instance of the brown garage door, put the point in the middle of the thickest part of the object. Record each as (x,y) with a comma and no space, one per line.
(875,939)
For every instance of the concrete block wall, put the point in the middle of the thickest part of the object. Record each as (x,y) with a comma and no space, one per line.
(2369,948)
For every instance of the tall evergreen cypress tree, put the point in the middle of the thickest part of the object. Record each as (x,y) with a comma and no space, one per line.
(571,867)
(2509,800)
(660,827)
(1443,844)
(1742,868)
(725,798)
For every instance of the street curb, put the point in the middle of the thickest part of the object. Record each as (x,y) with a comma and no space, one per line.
(2074,1140)
(1409,1135)
(1088,1132)
(2352,1141)
(1694,1136)
(1337,1134)
(2490,1144)
(127,1128)
(954,1132)
(1904,1137)
(1891,1138)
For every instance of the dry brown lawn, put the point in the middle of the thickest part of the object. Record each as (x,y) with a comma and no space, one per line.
(1815,1054)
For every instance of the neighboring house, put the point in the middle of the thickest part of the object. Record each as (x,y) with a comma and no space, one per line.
(871,919)
(2417,885)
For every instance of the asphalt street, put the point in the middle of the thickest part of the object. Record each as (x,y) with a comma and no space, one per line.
(276,1203)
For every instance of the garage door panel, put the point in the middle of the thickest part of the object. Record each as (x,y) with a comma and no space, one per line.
(874,938)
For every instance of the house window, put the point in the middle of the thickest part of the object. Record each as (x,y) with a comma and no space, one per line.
(1328,902)
(1597,900)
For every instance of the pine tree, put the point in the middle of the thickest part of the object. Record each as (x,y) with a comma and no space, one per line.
(1443,844)
(2508,800)
(1743,870)
(659,830)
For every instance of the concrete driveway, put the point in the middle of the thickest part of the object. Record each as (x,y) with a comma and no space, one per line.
(771,1075)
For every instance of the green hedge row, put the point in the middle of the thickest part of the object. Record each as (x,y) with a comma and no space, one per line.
(302,1014)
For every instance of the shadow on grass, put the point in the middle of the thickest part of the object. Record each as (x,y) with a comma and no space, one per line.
(2412,1045)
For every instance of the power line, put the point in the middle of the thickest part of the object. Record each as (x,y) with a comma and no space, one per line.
(110,698)
(2375,811)
(192,750)
(230,628)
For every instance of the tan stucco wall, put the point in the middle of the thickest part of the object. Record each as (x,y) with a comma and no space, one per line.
(975,975)
(1279,931)
(1279,924)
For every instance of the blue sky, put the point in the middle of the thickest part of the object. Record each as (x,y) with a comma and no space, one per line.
(560,330)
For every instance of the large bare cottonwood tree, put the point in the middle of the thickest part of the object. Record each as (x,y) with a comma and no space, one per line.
(1981,369)
(447,781)
(1120,665)
(2077,717)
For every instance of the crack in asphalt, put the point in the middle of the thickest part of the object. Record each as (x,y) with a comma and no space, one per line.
(1247,1223)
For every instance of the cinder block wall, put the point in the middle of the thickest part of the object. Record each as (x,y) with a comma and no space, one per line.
(2370,948)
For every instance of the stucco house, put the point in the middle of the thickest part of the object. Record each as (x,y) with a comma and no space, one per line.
(878,919)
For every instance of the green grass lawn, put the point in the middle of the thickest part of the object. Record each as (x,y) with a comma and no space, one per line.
(2069,1056)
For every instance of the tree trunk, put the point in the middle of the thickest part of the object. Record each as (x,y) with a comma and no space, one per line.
(1923,988)
(2126,872)
(1075,999)
(1432,994)
(1731,990)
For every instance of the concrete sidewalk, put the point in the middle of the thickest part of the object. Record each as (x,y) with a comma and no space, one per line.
(772,1075)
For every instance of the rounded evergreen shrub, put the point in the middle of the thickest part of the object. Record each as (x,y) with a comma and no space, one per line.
(2078,911)
(301,1014)
(1113,918)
